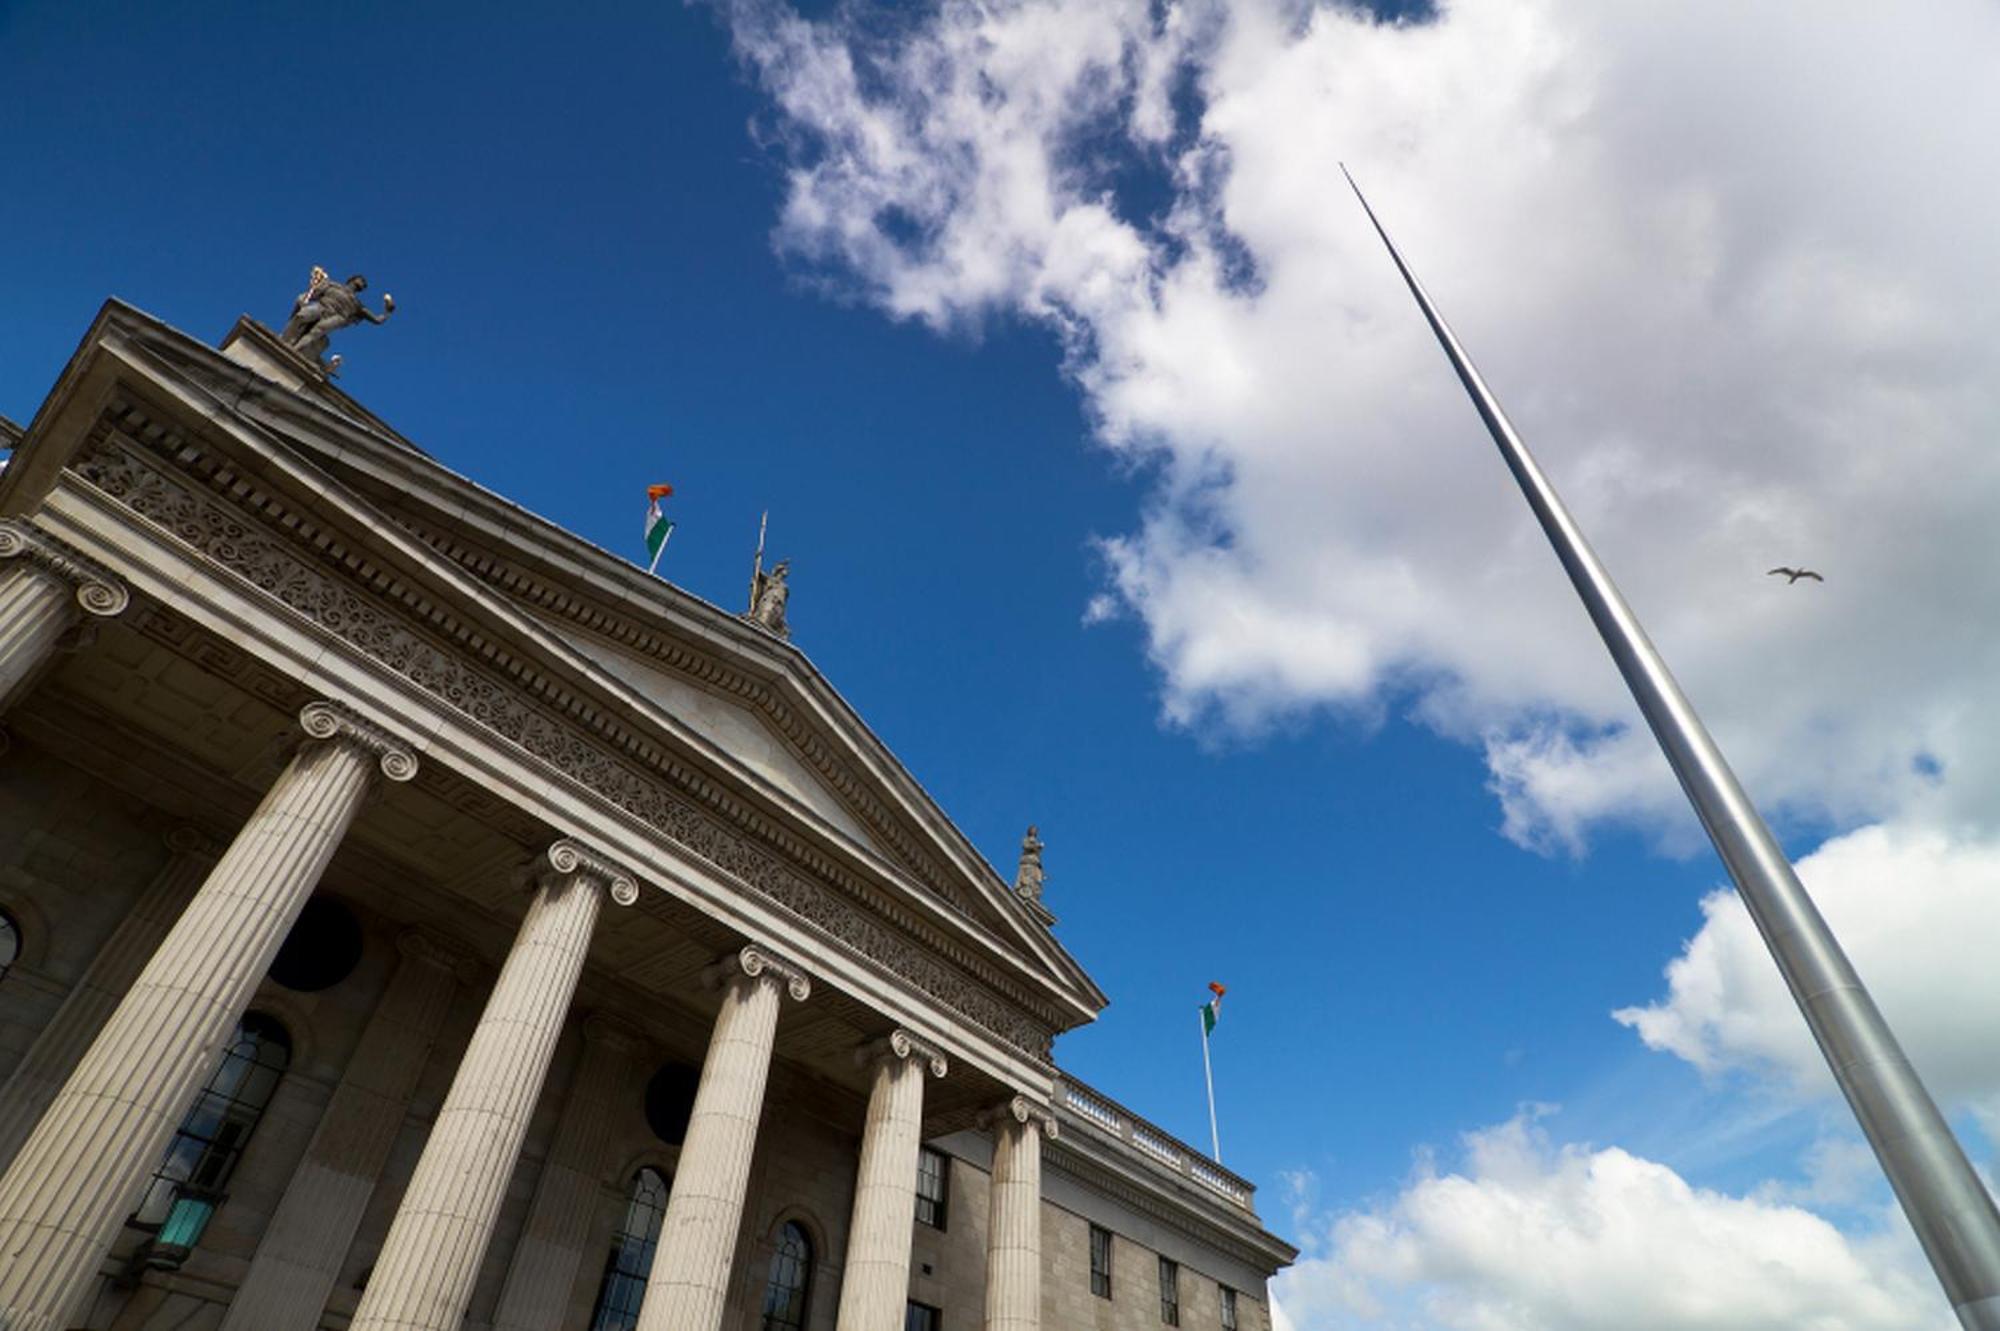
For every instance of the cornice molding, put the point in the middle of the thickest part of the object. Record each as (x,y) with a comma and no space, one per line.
(381,615)
(98,590)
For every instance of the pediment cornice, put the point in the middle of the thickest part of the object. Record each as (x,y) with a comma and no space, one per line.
(542,567)
(310,558)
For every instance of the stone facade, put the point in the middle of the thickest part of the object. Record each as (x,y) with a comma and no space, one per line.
(406,900)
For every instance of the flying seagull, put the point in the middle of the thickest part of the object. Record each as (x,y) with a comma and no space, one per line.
(1792,575)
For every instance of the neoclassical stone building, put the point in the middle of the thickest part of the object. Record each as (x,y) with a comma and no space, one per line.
(414,916)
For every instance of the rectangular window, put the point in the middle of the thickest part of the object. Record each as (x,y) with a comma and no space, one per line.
(933,1187)
(1100,1262)
(922,1317)
(1170,1292)
(1228,1309)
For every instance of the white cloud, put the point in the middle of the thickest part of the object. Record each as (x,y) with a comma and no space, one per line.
(1914,908)
(1531,1236)
(1733,290)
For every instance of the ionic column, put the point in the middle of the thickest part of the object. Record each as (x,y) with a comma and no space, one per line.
(1014,1217)
(55,1052)
(544,1265)
(690,1275)
(875,1287)
(42,585)
(81,1170)
(430,1260)
(314,1224)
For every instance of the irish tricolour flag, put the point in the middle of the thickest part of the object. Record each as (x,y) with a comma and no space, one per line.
(658,528)
(1211,1011)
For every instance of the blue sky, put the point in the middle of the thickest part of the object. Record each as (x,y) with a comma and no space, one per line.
(585,225)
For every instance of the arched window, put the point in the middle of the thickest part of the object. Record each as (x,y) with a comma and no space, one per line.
(791,1280)
(10,943)
(187,1186)
(631,1255)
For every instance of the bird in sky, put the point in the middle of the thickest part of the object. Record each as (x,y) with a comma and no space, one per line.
(1792,575)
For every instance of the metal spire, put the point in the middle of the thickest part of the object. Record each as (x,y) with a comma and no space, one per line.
(1946,1203)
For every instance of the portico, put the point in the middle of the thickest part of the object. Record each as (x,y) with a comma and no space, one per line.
(630,883)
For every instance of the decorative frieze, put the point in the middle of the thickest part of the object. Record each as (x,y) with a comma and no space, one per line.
(98,590)
(501,703)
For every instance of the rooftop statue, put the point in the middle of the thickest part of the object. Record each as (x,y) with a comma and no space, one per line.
(325,307)
(1028,877)
(767,599)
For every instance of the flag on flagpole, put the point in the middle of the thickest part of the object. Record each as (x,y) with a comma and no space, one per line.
(658,528)
(1211,1011)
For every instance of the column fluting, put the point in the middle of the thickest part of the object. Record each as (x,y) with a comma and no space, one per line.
(875,1286)
(551,1247)
(43,584)
(56,1051)
(82,1168)
(429,1262)
(690,1277)
(309,1234)
(1014,1218)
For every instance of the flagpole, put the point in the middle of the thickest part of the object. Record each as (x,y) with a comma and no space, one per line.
(1208,1075)
(1947,1205)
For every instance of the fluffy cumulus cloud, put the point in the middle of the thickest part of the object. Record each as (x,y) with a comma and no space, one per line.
(1732,290)
(1527,1236)
(1897,897)
(1729,266)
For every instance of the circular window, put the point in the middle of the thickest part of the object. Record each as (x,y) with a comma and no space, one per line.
(322,949)
(670,1101)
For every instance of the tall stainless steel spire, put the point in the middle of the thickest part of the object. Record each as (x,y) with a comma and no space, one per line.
(1949,1208)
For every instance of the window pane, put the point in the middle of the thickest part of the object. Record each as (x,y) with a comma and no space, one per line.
(791,1272)
(922,1317)
(1100,1262)
(933,1185)
(1170,1293)
(211,1138)
(631,1260)
(1228,1309)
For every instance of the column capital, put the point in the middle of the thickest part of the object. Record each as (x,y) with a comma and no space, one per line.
(325,720)
(755,962)
(98,589)
(567,858)
(902,1043)
(1019,1109)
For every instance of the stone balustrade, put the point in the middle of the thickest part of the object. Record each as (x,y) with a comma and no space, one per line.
(1153,1143)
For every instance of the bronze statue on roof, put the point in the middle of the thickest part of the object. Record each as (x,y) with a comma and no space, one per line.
(324,308)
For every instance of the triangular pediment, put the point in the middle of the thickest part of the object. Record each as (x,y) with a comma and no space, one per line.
(747,712)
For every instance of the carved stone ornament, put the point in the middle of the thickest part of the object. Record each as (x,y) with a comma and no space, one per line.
(330,721)
(227,536)
(567,858)
(900,1043)
(753,963)
(98,590)
(1020,1109)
